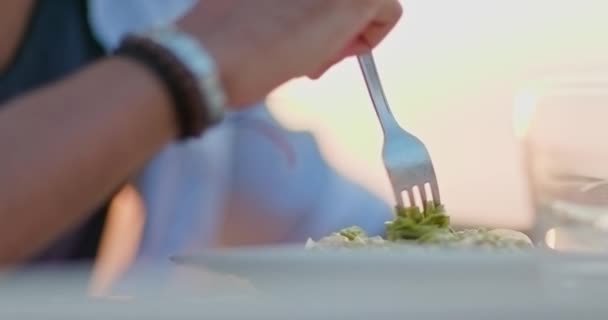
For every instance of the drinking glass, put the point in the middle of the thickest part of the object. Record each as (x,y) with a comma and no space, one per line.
(562,121)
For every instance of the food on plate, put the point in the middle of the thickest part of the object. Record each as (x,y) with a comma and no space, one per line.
(353,237)
(430,227)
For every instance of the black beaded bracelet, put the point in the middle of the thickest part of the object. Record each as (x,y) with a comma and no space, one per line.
(190,109)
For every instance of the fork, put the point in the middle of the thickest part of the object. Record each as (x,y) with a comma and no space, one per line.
(406,158)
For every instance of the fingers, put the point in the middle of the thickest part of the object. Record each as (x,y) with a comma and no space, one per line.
(384,21)
(355,48)
(372,20)
(383,16)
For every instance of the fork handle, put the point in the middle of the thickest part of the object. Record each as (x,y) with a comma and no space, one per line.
(376,93)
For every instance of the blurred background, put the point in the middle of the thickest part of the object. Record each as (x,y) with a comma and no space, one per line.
(451,71)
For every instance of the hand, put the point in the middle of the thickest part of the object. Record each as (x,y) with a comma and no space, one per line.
(261,44)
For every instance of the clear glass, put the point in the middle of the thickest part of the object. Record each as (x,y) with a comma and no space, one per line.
(563,125)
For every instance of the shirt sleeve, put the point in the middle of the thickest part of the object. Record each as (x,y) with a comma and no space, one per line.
(110,20)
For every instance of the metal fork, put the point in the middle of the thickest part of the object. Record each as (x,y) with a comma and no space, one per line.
(405,157)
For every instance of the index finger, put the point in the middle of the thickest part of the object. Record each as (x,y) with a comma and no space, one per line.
(388,15)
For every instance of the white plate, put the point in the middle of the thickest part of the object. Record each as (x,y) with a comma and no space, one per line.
(359,285)
(418,276)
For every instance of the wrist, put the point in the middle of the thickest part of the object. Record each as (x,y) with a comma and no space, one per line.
(188,71)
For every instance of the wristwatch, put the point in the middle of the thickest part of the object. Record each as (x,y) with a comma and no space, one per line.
(189,71)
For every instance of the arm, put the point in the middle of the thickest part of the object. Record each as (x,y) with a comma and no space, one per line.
(66,147)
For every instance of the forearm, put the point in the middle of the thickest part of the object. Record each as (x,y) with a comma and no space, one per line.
(66,147)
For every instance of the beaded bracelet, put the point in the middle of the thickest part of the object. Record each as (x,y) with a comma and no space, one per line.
(190,109)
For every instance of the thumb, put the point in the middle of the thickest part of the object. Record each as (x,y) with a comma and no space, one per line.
(356,47)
